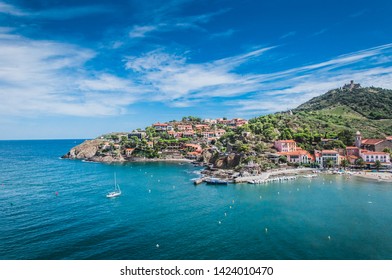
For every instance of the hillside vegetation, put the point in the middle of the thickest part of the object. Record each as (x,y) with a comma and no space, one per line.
(337,115)
(371,103)
(368,110)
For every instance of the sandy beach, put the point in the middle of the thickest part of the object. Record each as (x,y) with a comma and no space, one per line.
(378,176)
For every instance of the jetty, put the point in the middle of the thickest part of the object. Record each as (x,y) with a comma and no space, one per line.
(275,179)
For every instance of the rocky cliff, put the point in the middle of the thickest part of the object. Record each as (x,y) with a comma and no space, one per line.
(228,161)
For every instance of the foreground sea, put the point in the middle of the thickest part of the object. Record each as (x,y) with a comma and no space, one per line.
(56,209)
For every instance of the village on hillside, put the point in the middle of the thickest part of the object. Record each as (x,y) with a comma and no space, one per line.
(185,139)
(192,136)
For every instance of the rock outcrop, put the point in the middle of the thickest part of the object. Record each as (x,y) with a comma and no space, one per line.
(91,150)
(228,161)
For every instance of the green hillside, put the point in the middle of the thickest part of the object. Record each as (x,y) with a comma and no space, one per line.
(371,103)
(337,114)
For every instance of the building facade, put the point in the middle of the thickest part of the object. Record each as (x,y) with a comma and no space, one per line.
(285,145)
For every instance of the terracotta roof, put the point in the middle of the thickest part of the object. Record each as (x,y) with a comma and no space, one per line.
(389,138)
(294,153)
(351,147)
(329,152)
(373,153)
(286,141)
(353,157)
(371,141)
(160,124)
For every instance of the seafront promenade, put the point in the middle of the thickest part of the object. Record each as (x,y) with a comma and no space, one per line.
(266,175)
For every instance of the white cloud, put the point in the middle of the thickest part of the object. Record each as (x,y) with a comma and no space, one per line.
(10,9)
(164,23)
(177,82)
(46,77)
(141,31)
(224,34)
(289,34)
(288,89)
(61,13)
(172,77)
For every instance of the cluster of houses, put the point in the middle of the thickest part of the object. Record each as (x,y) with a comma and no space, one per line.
(207,129)
(369,150)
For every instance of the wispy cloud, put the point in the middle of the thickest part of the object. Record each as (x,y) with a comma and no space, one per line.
(321,31)
(227,33)
(60,13)
(10,9)
(47,77)
(141,31)
(290,88)
(289,34)
(174,23)
(174,79)
(177,82)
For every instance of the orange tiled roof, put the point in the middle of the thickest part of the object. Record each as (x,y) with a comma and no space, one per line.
(160,124)
(373,153)
(371,141)
(286,141)
(294,153)
(329,152)
(353,157)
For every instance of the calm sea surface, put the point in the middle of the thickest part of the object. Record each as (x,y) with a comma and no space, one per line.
(57,209)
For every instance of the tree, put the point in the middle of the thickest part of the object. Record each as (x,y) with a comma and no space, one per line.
(244,148)
(334,144)
(377,165)
(387,150)
(346,136)
(344,163)
(360,162)
(330,163)
(282,159)
(115,137)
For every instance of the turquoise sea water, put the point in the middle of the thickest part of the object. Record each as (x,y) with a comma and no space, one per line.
(57,209)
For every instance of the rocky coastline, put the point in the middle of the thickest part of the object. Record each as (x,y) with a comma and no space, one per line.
(222,166)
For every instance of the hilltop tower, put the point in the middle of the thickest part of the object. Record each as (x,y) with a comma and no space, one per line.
(351,86)
(358,139)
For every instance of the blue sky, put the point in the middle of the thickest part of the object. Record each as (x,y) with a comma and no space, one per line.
(81,68)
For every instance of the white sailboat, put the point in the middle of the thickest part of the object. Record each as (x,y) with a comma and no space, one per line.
(117,190)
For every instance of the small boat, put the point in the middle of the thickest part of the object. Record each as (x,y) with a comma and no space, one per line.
(215,181)
(117,190)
